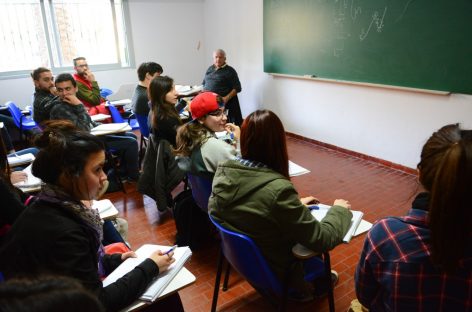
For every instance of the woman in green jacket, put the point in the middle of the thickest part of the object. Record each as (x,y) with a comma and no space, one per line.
(253,195)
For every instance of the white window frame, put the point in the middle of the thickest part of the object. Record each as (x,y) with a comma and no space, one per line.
(54,50)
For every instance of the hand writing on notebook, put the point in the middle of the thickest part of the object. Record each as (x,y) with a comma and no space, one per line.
(163,261)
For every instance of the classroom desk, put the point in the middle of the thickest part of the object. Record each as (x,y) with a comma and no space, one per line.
(111,128)
(188,91)
(99,117)
(122,102)
(183,279)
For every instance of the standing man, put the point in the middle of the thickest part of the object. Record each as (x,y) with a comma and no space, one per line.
(45,94)
(89,91)
(223,80)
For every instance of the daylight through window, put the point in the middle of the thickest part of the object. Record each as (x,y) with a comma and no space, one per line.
(52,33)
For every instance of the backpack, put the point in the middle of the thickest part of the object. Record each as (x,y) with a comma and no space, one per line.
(193,225)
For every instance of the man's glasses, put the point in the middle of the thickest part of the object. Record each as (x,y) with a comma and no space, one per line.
(218,113)
(82,66)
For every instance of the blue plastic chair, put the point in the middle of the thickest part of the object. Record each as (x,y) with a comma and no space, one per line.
(245,257)
(117,118)
(144,129)
(104,92)
(201,190)
(23,122)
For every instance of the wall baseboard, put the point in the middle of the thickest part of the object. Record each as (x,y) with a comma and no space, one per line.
(382,162)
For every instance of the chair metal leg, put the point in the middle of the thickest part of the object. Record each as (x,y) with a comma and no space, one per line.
(115,169)
(327,262)
(228,271)
(217,281)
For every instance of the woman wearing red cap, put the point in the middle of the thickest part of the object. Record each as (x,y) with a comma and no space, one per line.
(198,149)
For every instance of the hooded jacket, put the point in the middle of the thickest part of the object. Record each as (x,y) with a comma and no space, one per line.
(265,206)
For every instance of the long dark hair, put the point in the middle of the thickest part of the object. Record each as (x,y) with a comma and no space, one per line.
(446,172)
(157,90)
(263,140)
(63,149)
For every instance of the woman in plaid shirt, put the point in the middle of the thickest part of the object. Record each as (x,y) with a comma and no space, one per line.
(423,261)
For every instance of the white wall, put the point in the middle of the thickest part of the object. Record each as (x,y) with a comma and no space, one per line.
(383,123)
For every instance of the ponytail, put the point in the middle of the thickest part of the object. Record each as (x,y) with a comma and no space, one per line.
(447,174)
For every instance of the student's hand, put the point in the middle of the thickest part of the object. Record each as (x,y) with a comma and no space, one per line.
(53,91)
(87,203)
(89,75)
(72,99)
(162,261)
(18,176)
(310,200)
(233,129)
(129,254)
(343,203)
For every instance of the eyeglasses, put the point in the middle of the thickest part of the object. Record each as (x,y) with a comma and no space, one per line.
(82,66)
(218,113)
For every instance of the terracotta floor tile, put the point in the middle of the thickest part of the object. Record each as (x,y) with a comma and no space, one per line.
(376,190)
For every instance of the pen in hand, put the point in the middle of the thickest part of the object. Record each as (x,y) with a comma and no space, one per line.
(170,250)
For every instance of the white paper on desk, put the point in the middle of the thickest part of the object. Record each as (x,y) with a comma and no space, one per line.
(105,208)
(320,213)
(110,127)
(16,160)
(31,180)
(99,117)
(296,170)
(120,102)
(181,255)
(181,88)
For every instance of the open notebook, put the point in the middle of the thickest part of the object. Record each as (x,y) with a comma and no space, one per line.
(355,228)
(181,255)
(110,128)
(296,170)
(105,208)
(31,181)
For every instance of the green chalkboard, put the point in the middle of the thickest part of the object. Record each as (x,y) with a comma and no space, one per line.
(424,44)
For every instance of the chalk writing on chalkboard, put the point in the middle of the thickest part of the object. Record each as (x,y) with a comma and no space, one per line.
(407,43)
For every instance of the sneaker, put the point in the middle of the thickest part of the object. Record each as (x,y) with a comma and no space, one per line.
(321,289)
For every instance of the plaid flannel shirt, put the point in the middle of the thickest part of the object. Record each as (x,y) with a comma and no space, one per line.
(396,273)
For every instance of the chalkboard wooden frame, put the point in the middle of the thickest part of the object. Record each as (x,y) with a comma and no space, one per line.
(419,44)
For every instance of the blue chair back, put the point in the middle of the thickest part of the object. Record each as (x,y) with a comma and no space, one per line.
(21,121)
(143,124)
(104,92)
(115,114)
(117,118)
(201,190)
(244,256)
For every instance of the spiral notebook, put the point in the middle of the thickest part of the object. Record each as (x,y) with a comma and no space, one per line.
(322,210)
(181,255)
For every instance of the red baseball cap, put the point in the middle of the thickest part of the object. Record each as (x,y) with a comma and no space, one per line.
(204,103)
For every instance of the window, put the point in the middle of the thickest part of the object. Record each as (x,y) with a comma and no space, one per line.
(51,33)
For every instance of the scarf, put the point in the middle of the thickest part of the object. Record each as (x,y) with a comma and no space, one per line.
(86,216)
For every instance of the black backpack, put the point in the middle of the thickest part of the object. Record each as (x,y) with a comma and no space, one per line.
(193,224)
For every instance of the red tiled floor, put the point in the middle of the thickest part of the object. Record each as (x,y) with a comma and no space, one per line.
(376,190)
